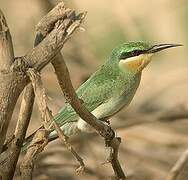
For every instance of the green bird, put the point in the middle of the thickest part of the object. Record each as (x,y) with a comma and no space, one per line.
(111,88)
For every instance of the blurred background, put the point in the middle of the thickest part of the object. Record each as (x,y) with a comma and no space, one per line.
(154,128)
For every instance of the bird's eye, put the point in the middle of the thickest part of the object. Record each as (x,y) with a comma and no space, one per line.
(136,53)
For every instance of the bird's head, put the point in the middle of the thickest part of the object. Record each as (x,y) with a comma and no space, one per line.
(135,56)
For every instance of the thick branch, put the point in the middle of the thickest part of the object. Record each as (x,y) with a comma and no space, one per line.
(6,47)
(10,157)
(51,45)
(6,59)
(46,24)
(14,79)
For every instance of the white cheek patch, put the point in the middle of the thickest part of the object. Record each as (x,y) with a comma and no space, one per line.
(135,63)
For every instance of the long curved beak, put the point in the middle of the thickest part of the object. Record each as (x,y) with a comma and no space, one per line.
(160,47)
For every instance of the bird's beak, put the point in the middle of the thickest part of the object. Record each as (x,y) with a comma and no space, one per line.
(160,47)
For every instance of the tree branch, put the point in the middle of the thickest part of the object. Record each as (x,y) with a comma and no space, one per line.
(47,23)
(54,41)
(14,79)
(6,60)
(178,166)
(65,83)
(10,157)
(6,47)
(47,116)
(40,140)
(71,97)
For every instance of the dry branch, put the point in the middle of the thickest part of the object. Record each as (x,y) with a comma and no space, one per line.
(47,116)
(13,78)
(178,166)
(6,59)
(40,140)
(41,55)
(63,139)
(6,47)
(46,24)
(71,97)
(11,156)
(37,58)
(41,98)
(65,83)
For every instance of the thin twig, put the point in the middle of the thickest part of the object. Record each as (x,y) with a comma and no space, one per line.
(63,138)
(40,140)
(178,166)
(47,116)
(41,98)
(113,158)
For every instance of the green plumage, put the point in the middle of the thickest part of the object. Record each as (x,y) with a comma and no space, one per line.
(109,89)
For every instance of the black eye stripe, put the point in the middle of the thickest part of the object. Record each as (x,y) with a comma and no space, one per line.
(125,55)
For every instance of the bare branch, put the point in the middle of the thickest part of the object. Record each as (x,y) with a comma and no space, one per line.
(65,83)
(14,79)
(178,166)
(13,71)
(54,41)
(63,139)
(6,47)
(63,74)
(41,98)
(70,95)
(46,24)
(11,156)
(47,116)
(6,60)
(38,143)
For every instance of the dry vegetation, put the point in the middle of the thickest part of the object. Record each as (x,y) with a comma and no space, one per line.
(154,129)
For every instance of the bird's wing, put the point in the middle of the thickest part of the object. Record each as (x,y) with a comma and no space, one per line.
(94,92)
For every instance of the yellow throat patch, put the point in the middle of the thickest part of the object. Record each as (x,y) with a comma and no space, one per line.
(136,63)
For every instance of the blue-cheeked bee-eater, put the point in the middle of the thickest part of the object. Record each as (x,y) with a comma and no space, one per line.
(110,88)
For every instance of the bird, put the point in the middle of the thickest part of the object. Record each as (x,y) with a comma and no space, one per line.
(110,89)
